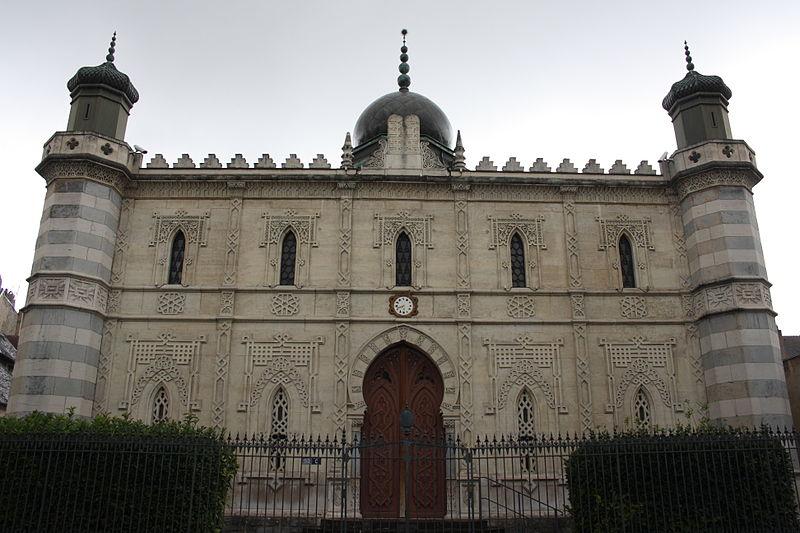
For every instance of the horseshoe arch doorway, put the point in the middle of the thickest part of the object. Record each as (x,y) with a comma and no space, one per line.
(402,377)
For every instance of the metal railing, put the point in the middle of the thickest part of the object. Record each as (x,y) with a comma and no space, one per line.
(493,484)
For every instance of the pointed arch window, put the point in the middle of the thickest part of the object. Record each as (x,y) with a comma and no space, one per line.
(279,427)
(176,259)
(402,263)
(288,257)
(641,408)
(626,263)
(160,405)
(517,261)
(526,427)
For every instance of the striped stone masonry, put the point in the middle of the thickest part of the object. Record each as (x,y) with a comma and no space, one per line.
(68,292)
(730,300)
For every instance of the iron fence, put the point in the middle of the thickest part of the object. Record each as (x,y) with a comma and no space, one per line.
(492,484)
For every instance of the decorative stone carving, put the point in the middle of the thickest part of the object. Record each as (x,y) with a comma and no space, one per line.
(430,158)
(70,291)
(171,303)
(345,237)
(530,229)
(319,162)
(640,362)
(285,304)
(280,360)
(638,231)
(592,167)
(341,351)
(486,164)
(347,152)
(158,161)
(184,161)
(305,230)
(114,297)
(577,306)
(65,168)
(265,161)
(462,242)
(163,360)
(619,168)
(730,296)
(633,307)
(512,165)
(713,178)
(567,167)
(342,304)
(416,337)
(465,375)
(459,161)
(104,367)
(238,162)
(531,363)
(540,165)
(571,236)
(121,243)
(232,242)
(292,162)
(195,231)
(385,230)
(520,307)
(211,162)
(645,169)
(226,303)
(463,305)
(222,365)
(584,377)
(378,157)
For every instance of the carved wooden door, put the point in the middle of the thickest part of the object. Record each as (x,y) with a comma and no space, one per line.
(402,377)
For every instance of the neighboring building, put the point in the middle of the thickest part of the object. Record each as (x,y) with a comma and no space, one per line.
(9,317)
(288,298)
(791,366)
(8,353)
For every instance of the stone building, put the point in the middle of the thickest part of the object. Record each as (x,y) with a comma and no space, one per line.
(291,297)
(791,366)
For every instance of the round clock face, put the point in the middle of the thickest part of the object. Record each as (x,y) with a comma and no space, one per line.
(403,305)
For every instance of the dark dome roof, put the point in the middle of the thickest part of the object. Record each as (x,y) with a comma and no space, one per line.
(693,83)
(432,120)
(105,74)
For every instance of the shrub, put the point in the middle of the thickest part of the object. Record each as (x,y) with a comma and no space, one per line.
(59,473)
(710,479)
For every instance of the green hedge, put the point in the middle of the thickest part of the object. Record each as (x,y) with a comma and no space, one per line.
(59,473)
(711,479)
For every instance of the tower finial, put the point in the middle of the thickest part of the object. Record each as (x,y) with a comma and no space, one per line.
(689,64)
(110,56)
(404,80)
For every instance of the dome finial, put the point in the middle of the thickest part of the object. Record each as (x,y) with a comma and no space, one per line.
(689,64)
(110,56)
(404,80)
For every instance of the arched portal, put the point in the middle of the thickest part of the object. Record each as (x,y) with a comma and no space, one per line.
(403,377)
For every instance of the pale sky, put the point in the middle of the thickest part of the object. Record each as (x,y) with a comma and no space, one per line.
(526,79)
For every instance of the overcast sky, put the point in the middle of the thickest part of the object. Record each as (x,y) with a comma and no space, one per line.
(527,79)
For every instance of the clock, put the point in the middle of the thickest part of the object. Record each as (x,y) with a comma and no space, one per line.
(403,305)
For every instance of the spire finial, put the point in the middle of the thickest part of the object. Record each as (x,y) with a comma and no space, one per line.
(110,56)
(404,80)
(689,64)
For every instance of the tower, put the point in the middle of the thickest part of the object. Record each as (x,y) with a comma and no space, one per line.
(86,169)
(713,176)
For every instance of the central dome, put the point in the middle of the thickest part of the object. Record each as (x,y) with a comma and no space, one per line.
(433,123)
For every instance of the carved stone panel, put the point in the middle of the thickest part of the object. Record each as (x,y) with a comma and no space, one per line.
(530,230)
(195,230)
(275,228)
(639,234)
(385,232)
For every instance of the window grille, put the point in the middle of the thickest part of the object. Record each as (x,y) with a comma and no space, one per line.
(279,428)
(641,408)
(626,263)
(176,259)
(161,405)
(288,255)
(403,260)
(517,261)
(527,430)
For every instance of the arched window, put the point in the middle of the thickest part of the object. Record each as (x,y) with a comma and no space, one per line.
(626,264)
(517,261)
(278,428)
(527,429)
(641,408)
(288,255)
(160,405)
(176,259)
(402,264)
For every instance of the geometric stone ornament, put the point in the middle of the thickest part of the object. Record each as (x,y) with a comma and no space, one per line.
(486,164)
(633,307)
(592,167)
(619,168)
(385,230)
(285,304)
(530,230)
(195,231)
(275,228)
(520,307)
(171,303)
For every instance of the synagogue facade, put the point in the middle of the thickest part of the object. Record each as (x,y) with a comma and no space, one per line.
(287,297)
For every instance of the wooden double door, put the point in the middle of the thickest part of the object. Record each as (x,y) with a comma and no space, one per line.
(395,477)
